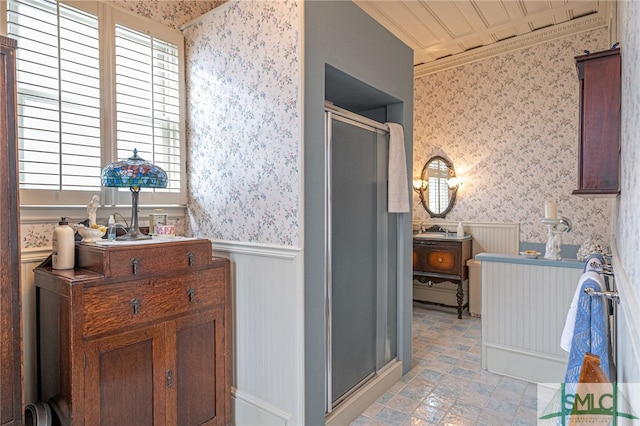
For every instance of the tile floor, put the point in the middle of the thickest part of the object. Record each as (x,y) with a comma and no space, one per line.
(447,386)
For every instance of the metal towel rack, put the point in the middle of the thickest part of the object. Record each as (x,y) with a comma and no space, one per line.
(603,269)
(611,295)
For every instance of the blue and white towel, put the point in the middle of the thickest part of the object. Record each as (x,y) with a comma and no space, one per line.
(590,330)
(567,332)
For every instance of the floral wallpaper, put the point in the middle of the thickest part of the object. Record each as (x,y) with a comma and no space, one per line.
(510,124)
(244,123)
(628,219)
(173,14)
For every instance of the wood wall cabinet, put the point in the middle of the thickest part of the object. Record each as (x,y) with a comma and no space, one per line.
(441,261)
(10,303)
(599,137)
(136,335)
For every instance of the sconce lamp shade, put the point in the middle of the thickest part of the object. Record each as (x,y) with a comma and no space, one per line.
(134,173)
(454,182)
(420,185)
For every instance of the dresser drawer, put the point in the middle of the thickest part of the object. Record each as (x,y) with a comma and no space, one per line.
(150,258)
(118,306)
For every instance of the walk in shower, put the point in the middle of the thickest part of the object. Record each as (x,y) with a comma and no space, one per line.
(360,255)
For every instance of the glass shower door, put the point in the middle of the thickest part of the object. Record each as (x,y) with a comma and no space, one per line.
(360,339)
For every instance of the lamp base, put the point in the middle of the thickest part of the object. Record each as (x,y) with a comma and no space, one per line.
(134,230)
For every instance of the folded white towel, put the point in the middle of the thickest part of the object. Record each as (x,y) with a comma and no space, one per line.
(567,332)
(398,187)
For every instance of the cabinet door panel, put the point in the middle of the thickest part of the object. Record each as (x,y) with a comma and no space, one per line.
(126,371)
(200,373)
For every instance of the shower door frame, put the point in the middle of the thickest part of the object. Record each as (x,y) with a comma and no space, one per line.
(331,113)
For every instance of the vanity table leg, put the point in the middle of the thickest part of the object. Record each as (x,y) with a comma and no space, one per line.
(460,297)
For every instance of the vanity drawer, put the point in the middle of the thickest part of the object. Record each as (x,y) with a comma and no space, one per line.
(442,258)
(130,261)
(113,307)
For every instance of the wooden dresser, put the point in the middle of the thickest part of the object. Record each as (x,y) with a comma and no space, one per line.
(441,261)
(136,335)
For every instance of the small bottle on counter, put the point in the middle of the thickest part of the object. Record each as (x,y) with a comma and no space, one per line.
(460,232)
(63,246)
(111,228)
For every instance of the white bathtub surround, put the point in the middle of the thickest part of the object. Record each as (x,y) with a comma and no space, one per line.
(524,307)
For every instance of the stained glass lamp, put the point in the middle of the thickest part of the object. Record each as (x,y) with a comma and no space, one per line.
(134,173)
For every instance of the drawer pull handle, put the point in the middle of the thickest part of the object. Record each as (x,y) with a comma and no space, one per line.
(134,263)
(192,293)
(190,255)
(169,378)
(440,260)
(135,304)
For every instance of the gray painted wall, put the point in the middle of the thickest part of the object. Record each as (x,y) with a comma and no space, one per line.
(342,35)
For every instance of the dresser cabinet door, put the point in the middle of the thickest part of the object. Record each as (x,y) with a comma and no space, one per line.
(127,371)
(198,396)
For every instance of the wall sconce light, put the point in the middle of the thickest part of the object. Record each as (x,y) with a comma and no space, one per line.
(134,173)
(420,185)
(455,182)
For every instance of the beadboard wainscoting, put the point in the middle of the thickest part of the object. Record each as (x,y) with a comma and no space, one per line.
(524,307)
(267,351)
(488,237)
(625,316)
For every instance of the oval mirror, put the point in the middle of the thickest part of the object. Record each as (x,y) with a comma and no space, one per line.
(437,197)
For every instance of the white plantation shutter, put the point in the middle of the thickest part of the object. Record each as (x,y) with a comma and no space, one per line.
(58,85)
(148,101)
(438,187)
(94,83)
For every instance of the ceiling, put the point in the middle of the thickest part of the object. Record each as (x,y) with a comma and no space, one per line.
(447,33)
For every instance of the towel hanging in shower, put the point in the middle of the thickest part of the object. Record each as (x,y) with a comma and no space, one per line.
(398,189)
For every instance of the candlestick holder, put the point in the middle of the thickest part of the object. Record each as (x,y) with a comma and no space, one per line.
(555,229)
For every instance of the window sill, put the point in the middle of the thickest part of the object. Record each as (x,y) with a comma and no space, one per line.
(75,214)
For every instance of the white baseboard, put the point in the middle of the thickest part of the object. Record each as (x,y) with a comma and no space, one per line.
(523,365)
(249,410)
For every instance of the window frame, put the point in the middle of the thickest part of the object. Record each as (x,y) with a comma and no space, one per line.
(34,200)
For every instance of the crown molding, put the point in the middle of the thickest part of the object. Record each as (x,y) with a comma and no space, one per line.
(586,23)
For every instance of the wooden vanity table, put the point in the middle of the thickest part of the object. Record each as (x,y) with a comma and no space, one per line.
(438,261)
(136,334)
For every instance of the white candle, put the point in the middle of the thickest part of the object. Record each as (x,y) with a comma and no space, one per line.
(550,209)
